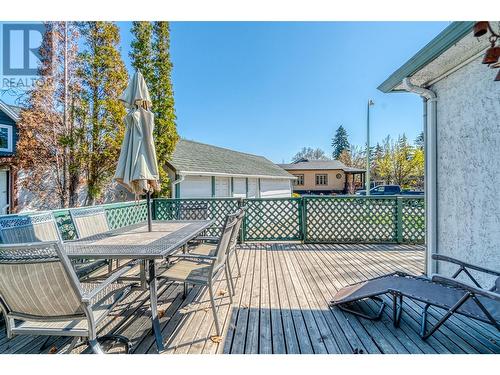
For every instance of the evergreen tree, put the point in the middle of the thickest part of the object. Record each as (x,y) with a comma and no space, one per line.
(339,142)
(165,134)
(104,78)
(150,54)
(419,141)
(141,53)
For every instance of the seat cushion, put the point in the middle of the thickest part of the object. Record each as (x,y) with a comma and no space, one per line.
(183,270)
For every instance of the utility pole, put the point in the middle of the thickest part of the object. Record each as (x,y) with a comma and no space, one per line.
(367,183)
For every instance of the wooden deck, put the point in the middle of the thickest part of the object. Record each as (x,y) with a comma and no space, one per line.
(281,306)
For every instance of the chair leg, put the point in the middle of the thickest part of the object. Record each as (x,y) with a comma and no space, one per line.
(449,313)
(96,348)
(110,265)
(237,262)
(214,310)
(397,308)
(72,345)
(230,273)
(185,291)
(229,281)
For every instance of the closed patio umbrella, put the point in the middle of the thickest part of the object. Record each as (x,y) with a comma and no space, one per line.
(137,167)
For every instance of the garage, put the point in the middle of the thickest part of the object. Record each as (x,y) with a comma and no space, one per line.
(199,170)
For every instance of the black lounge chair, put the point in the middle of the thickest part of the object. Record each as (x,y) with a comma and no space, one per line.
(439,291)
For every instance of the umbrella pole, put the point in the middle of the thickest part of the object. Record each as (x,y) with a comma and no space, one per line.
(148,204)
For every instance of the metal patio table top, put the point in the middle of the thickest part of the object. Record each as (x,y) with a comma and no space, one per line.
(136,242)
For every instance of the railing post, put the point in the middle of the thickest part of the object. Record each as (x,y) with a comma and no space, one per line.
(303,219)
(399,219)
(241,235)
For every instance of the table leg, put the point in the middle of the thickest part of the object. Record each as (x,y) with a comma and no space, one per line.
(153,295)
(142,273)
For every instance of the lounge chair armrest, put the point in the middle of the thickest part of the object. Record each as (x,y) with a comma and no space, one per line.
(87,297)
(448,259)
(472,289)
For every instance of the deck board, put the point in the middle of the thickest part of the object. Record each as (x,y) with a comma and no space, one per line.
(281,306)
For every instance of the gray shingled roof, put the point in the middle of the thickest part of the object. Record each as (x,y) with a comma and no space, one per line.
(319,165)
(10,110)
(190,157)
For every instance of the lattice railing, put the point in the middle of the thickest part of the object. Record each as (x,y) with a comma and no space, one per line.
(350,219)
(311,219)
(272,219)
(412,220)
(118,214)
(197,209)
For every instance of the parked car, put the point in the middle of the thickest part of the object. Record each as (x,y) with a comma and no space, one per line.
(389,190)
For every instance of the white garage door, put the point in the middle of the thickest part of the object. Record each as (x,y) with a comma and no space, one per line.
(222,187)
(239,187)
(253,188)
(275,188)
(196,187)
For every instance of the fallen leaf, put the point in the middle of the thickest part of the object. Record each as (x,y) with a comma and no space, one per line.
(221,292)
(161,313)
(206,309)
(53,350)
(216,339)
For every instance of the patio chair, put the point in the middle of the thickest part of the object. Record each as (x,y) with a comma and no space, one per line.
(40,227)
(40,294)
(209,248)
(449,294)
(90,221)
(203,269)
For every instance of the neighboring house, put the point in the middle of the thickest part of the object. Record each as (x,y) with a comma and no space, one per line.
(9,116)
(324,177)
(462,145)
(199,170)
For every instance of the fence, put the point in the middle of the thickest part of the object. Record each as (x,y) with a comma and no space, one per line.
(118,214)
(341,219)
(346,219)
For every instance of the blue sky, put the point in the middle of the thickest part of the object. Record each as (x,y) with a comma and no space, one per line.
(271,88)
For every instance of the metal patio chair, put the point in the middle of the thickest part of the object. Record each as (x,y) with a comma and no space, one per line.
(449,294)
(203,269)
(209,248)
(40,227)
(40,294)
(89,221)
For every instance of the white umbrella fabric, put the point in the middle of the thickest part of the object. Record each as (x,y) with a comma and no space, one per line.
(137,167)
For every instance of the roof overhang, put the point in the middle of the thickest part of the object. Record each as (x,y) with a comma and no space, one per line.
(8,111)
(451,49)
(219,174)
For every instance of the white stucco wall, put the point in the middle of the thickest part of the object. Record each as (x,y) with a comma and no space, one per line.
(468,166)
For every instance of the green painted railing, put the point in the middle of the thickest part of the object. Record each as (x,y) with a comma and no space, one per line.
(340,219)
(118,214)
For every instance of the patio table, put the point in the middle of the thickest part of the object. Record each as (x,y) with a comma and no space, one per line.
(136,242)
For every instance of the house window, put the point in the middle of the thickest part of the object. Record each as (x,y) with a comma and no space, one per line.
(300,180)
(5,138)
(321,179)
